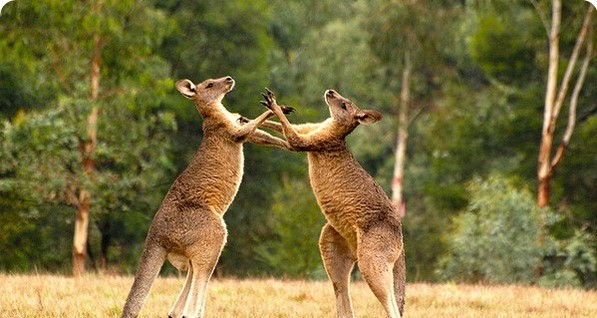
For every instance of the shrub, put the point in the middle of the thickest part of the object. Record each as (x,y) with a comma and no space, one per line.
(496,238)
(296,220)
(503,237)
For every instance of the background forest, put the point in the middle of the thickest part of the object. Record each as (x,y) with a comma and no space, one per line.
(91,126)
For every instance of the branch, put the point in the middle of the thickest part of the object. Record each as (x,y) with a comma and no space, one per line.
(552,72)
(541,16)
(415,113)
(54,64)
(590,112)
(573,104)
(570,69)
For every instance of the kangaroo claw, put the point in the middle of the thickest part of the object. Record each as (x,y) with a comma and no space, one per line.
(287,109)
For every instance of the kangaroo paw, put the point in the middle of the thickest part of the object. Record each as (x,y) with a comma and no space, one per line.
(287,109)
(242,120)
(270,99)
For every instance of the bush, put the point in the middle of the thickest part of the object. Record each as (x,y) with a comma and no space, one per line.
(296,221)
(503,237)
(496,238)
(571,262)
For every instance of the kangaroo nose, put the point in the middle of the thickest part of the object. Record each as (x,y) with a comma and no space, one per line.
(229,79)
(330,92)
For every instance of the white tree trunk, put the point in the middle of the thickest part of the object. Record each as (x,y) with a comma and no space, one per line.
(554,99)
(81,233)
(401,140)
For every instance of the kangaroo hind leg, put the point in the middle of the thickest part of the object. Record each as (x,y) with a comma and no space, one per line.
(400,281)
(204,257)
(377,252)
(152,259)
(178,307)
(338,260)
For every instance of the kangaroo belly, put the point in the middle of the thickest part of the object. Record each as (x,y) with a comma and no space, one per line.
(213,177)
(348,196)
(193,207)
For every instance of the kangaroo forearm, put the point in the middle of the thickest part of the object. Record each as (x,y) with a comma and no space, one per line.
(244,131)
(300,128)
(300,143)
(277,127)
(306,128)
(262,138)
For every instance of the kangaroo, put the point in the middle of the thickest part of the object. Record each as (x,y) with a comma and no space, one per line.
(363,226)
(189,229)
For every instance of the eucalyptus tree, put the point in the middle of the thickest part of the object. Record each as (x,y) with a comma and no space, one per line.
(100,139)
(555,96)
(409,38)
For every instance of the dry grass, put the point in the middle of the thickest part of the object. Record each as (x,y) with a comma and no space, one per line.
(103,296)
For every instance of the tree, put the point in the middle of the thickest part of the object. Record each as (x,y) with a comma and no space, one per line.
(490,128)
(554,97)
(404,38)
(76,45)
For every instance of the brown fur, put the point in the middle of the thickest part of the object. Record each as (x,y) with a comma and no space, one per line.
(363,226)
(188,228)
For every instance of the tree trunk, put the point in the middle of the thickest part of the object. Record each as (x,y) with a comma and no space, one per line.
(401,139)
(543,170)
(554,102)
(81,233)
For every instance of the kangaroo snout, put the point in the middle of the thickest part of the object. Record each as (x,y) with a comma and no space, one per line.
(229,82)
(330,93)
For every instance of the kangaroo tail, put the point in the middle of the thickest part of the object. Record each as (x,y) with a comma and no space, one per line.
(151,262)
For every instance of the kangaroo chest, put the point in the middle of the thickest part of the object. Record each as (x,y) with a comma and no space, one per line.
(347,195)
(214,175)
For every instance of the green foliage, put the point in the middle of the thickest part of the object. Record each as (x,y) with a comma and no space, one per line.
(297,221)
(504,52)
(248,217)
(577,181)
(42,164)
(571,262)
(502,237)
(496,239)
(214,39)
(407,27)
(43,148)
(478,85)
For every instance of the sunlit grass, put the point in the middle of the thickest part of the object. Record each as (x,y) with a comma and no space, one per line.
(103,296)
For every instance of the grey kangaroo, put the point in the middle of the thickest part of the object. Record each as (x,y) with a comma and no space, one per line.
(363,226)
(188,229)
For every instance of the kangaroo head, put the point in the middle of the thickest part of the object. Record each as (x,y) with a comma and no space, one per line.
(346,113)
(206,93)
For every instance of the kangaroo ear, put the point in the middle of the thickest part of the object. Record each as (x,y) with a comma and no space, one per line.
(367,117)
(186,88)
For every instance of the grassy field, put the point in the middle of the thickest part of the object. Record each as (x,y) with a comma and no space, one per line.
(103,296)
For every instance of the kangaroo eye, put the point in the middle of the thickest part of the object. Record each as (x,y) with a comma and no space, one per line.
(343,105)
(210,85)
